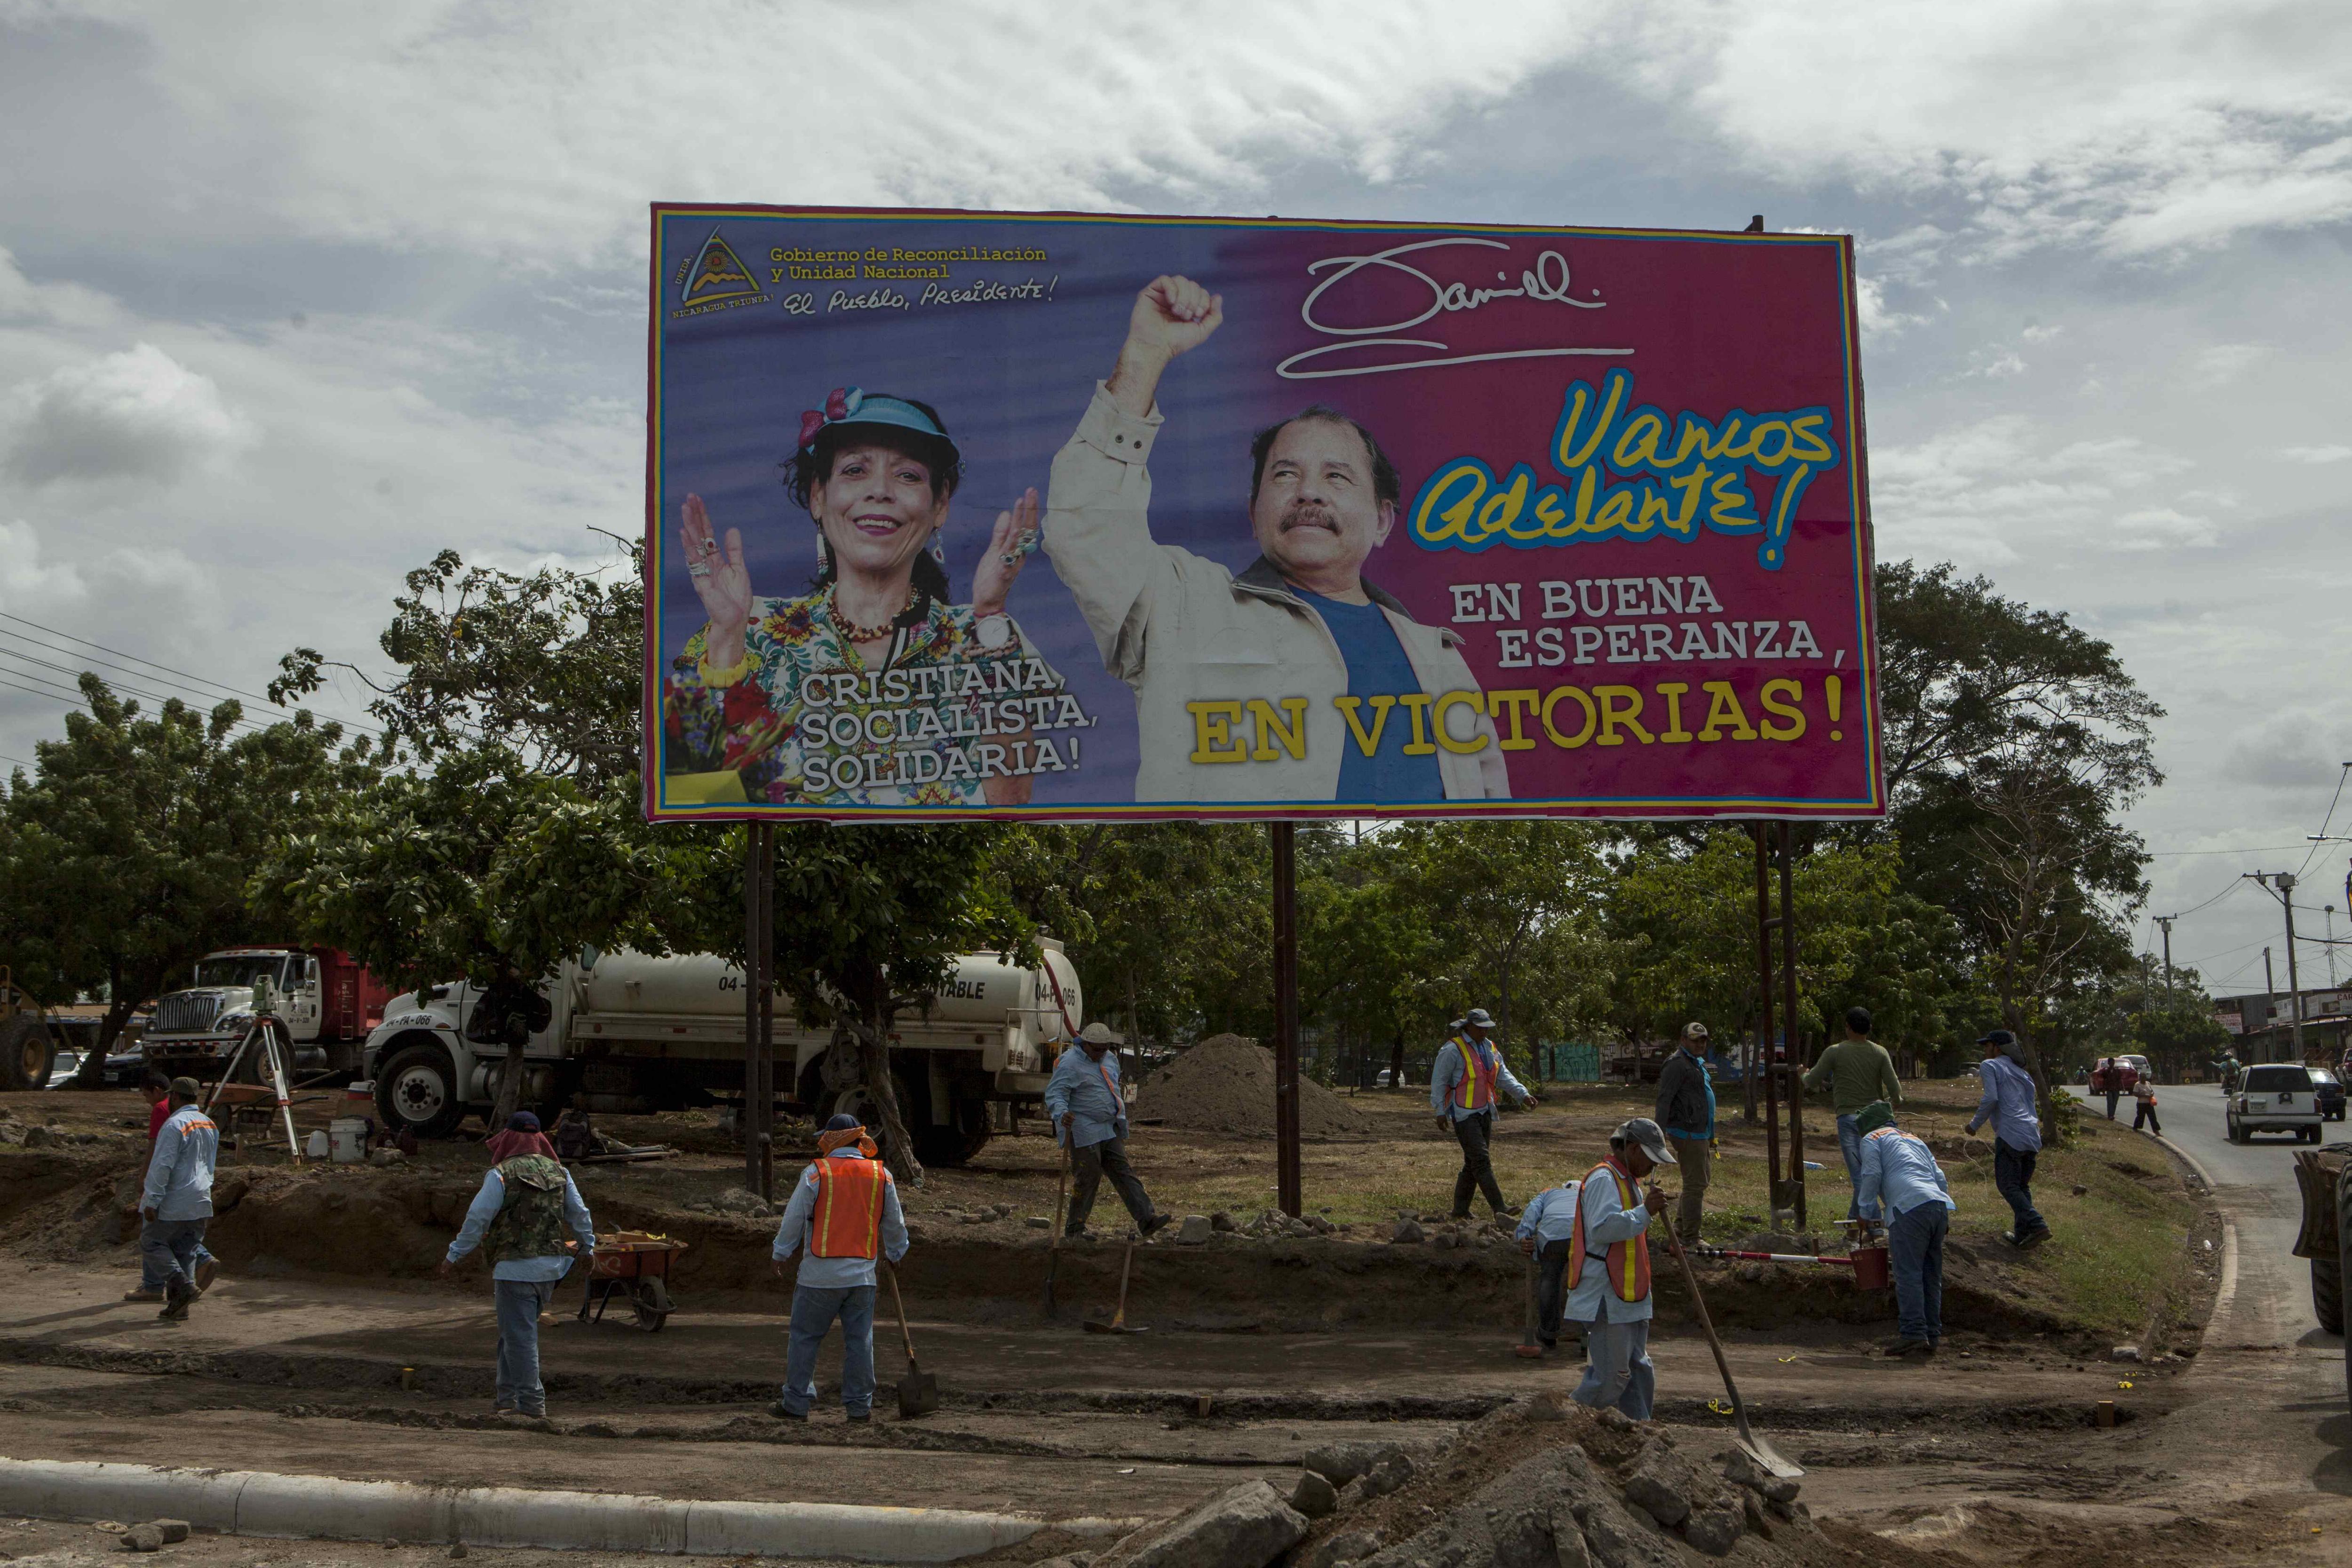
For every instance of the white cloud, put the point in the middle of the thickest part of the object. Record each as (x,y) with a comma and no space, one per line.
(2315,455)
(1877,318)
(137,415)
(537,132)
(1987,492)
(1996,363)
(27,586)
(2227,362)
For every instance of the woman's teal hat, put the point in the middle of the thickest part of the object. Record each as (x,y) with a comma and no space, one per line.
(855,405)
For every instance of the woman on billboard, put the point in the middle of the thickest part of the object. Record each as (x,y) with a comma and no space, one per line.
(862,691)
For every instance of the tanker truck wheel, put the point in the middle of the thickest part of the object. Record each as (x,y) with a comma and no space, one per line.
(416,1088)
(25,1052)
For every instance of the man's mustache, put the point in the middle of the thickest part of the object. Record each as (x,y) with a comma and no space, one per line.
(1309,514)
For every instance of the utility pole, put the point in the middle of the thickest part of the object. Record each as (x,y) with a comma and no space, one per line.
(2270,990)
(2281,886)
(2331,947)
(2165,924)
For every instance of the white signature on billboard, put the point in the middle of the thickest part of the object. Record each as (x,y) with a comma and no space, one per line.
(1548,281)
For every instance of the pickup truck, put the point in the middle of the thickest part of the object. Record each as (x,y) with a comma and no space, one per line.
(2274,1097)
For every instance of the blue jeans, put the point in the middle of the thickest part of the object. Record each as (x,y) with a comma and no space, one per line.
(2012,1177)
(1915,1245)
(169,1249)
(521,1301)
(1850,1145)
(814,1311)
(1617,1368)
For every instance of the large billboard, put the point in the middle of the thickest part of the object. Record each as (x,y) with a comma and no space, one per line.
(962,514)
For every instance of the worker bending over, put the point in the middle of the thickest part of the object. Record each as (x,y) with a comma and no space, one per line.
(846,1211)
(1462,1083)
(1089,1116)
(525,1205)
(176,1204)
(1547,1229)
(1899,1172)
(1609,1270)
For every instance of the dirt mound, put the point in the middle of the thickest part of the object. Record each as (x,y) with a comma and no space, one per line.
(1226,1084)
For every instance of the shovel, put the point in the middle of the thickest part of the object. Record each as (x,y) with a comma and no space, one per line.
(1117,1324)
(918,1390)
(1053,1247)
(1528,1347)
(1762,1452)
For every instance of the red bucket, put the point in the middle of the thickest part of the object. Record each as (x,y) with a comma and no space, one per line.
(1870,1269)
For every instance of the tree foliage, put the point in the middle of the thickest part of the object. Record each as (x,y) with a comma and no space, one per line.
(126,856)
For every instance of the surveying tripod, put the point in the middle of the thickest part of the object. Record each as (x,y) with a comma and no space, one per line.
(262,1031)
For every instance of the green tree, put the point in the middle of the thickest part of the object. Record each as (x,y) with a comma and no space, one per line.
(125,856)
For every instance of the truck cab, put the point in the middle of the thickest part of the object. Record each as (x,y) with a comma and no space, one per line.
(329,1004)
(630,1032)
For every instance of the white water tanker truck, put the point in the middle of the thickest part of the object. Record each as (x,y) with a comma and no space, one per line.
(630,1033)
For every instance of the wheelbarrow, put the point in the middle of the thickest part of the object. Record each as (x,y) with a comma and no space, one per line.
(633,1264)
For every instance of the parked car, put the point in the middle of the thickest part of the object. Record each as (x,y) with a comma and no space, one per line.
(2329,1088)
(2275,1097)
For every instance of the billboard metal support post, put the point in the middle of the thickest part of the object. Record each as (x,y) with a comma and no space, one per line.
(759,1008)
(1769,1067)
(1789,1019)
(1285,838)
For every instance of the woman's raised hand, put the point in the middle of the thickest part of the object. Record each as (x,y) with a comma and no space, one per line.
(1008,549)
(720,579)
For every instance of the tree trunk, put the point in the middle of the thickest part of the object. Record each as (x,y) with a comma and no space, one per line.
(509,1090)
(869,1042)
(91,1073)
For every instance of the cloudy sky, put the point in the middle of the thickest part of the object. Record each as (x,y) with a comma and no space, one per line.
(293,296)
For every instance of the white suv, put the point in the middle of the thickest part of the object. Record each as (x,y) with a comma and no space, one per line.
(2275,1097)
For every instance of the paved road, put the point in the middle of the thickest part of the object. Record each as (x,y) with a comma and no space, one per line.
(2255,1183)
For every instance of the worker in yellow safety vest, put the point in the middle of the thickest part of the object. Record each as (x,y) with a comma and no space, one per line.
(1609,1270)
(844,1210)
(1464,1083)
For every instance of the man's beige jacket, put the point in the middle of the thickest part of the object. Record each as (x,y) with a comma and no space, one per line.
(1182,630)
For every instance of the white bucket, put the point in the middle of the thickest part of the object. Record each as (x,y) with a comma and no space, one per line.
(347,1139)
(315,1146)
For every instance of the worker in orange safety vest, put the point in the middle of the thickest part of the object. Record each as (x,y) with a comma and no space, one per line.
(1609,1270)
(1465,1081)
(844,1210)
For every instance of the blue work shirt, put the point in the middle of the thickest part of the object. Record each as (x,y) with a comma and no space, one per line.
(836,1273)
(1089,1090)
(180,1171)
(1607,1222)
(1900,1168)
(1378,667)
(485,1208)
(1550,1215)
(1448,1071)
(2008,1102)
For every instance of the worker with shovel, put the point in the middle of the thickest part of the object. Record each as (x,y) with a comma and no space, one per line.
(1899,1172)
(1609,1270)
(844,1209)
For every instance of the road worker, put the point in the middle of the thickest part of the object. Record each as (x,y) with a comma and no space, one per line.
(1090,1115)
(1902,1186)
(844,1210)
(1609,1270)
(1462,1082)
(176,1202)
(1547,1229)
(526,1202)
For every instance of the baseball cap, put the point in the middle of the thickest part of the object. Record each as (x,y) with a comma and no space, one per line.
(1652,1139)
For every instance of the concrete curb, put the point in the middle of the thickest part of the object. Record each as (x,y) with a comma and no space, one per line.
(253,1502)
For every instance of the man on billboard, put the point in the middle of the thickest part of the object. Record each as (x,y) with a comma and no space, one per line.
(1297,679)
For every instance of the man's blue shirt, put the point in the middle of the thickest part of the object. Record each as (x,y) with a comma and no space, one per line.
(1377,667)
(2008,1103)
(1087,1089)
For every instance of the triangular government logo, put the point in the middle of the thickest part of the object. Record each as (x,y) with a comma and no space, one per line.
(715,274)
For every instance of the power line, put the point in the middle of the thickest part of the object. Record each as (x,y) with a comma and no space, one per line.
(2250,850)
(2340,774)
(202,681)
(211,697)
(75,694)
